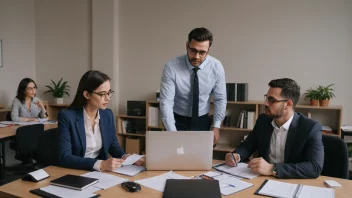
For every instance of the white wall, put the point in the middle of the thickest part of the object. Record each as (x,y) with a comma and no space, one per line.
(63,42)
(257,41)
(17,32)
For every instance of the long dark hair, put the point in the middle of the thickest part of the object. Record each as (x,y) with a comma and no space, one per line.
(89,82)
(22,88)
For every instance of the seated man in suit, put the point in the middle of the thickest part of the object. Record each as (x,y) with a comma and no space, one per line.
(288,143)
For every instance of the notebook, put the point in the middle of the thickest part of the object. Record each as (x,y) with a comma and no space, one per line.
(74,182)
(191,188)
(287,190)
(241,170)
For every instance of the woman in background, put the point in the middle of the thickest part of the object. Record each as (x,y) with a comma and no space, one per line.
(87,128)
(26,107)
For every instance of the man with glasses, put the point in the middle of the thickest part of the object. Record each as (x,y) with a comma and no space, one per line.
(289,144)
(186,86)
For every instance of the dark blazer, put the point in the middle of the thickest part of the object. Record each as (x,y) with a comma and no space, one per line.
(72,139)
(304,151)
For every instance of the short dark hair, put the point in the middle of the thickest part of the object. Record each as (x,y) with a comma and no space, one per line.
(290,89)
(200,34)
(22,88)
(89,82)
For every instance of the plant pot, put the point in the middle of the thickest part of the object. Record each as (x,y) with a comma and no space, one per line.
(324,103)
(314,102)
(59,100)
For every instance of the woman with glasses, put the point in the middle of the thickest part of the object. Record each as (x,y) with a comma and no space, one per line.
(87,133)
(26,107)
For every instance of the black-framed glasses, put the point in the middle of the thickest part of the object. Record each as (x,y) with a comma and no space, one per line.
(195,51)
(104,94)
(272,100)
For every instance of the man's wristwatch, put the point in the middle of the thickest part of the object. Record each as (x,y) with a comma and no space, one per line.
(274,171)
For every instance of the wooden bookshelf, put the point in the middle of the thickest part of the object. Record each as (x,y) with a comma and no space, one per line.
(231,135)
(224,148)
(132,117)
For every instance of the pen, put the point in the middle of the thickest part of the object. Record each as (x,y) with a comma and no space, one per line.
(206,177)
(234,159)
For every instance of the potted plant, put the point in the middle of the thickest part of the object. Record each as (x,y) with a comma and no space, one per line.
(58,90)
(312,95)
(325,93)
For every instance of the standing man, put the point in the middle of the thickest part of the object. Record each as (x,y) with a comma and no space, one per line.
(289,144)
(187,83)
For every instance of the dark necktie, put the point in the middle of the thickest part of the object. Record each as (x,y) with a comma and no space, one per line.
(195,104)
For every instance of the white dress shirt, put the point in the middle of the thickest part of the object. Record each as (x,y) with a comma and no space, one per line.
(93,139)
(278,142)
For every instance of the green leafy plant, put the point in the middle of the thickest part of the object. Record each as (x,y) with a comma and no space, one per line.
(325,92)
(311,94)
(58,90)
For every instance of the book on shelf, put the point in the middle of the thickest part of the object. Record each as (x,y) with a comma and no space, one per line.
(237,91)
(153,116)
(246,119)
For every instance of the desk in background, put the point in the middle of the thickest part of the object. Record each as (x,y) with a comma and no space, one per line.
(53,110)
(21,188)
(5,134)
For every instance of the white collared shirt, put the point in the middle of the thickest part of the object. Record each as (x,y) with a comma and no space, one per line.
(93,139)
(278,142)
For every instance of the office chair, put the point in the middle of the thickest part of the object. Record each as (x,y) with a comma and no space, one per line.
(47,153)
(8,116)
(27,138)
(335,157)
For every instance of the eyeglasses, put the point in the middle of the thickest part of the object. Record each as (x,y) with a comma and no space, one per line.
(194,52)
(31,88)
(272,100)
(104,95)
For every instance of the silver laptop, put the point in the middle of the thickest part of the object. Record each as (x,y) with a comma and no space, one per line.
(179,150)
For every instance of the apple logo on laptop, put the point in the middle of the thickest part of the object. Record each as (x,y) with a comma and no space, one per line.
(180,151)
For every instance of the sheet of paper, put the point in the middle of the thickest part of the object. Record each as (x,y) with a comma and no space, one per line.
(42,120)
(316,192)
(3,125)
(132,159)
(233,185)
(158,182)
(212,174)
(66,192)
(39,174)
(105,180)
(347,128)
(130,170)
(241,170)
(18,123)
(279,189)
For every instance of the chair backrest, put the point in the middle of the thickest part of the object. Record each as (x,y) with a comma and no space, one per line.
(335,158)
(47,153)
(27,138)
(8,116)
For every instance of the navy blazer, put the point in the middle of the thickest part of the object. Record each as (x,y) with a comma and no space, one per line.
(72,139)
(304,150)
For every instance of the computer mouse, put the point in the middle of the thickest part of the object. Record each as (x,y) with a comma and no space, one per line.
(131,186)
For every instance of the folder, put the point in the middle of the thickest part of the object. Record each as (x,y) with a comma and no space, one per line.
(191,188)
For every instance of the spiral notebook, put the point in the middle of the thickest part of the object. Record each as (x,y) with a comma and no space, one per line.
(274,188)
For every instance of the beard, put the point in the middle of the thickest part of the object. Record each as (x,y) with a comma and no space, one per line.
(277,114)
(195,61)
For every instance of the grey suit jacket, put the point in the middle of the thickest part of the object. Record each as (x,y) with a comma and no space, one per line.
(304,150)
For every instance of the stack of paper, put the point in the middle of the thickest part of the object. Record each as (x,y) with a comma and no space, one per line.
(130,170)
(158,182)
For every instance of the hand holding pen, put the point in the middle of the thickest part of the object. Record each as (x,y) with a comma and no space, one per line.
(232,159)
